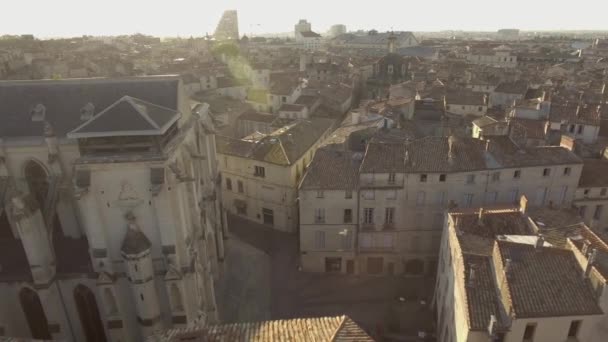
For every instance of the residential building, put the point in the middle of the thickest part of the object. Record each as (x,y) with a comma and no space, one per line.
(109,219)
(506,93)
(578,121)
(494,274)
(498,57)
(466,103)
(328,212)
(405,187)
(591,198)
(375,40)
(260,176)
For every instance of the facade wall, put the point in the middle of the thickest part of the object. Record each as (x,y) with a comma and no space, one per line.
(460,109)
(592,204)
(324,233)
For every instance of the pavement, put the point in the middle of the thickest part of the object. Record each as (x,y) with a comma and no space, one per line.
(263,282)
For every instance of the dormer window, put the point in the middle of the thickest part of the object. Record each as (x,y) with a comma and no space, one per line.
(38,113)
(87,112)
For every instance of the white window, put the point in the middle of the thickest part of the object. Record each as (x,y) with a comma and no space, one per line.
(470,179)
(368,215)
(319,239)
(514,195)
(442,198)
(491,197)
(347,240)
(563,194)
(348,194)
(391,178)
(259,171)
(320,215)
(420,198)
(391,194)
(320,194)
(495,176)
(468,200)
(389,215)
(368,194)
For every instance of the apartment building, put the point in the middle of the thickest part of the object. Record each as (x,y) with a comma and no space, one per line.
(260,176)
(591,196)
(328,212)
(500,281)
(405,188)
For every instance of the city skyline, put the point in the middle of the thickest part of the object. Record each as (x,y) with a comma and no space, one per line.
(118,18)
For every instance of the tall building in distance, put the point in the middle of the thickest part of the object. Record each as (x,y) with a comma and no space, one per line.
(337,30)
(302,26)
(228,27)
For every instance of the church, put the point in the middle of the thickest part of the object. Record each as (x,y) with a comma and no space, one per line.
(110,223)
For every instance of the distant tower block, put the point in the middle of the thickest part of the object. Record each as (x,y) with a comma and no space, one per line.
(228,27)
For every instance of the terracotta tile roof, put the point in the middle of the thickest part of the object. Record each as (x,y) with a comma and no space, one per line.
(517,87)
(481,298)
(339,329)
(333,170)
(466,97)
(575,114)
(284,146)
(533,273)
(432,154)
(384,158)
(252,115)
(507,154)
(535,129)
(595,173)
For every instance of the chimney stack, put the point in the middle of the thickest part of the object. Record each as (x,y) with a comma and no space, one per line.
(540,242)
(585,248)
(488,145)
(472,275)
(507,267)
(590,262)
(480,217)
(451,149)
(523,204)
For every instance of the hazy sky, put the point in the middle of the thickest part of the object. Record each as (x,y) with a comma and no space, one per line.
(50,18)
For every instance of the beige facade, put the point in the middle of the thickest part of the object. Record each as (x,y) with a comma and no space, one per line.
(261,184)
(468,287)
(100,240)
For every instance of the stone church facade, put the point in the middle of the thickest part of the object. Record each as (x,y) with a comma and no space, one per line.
(110,223)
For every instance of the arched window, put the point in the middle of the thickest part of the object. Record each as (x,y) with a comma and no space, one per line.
(37,180)
(176,298)
(414,267)
(34,314)
(111,306)
(89,314)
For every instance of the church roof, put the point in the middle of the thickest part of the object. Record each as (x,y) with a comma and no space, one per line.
(128,116)
(65,99)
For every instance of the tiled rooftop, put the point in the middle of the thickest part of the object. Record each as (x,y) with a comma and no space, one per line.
(338,329)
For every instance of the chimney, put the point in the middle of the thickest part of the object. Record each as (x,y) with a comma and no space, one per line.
(585,248)
(568,142)
(451,149)
(355,117)
(472,275)
(488,145)
(480,216)
(523,204)
(590,262)
(507,267)
(391,43)
(492,325)
(540,241)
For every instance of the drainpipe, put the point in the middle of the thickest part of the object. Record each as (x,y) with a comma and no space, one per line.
(65,309)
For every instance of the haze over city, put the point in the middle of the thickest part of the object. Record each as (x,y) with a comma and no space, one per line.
(63,18)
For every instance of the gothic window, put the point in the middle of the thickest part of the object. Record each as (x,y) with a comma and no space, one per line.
(34,314)
(37,181)
(89,314)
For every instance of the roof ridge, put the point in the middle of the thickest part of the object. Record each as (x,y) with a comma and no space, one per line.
(132,101)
